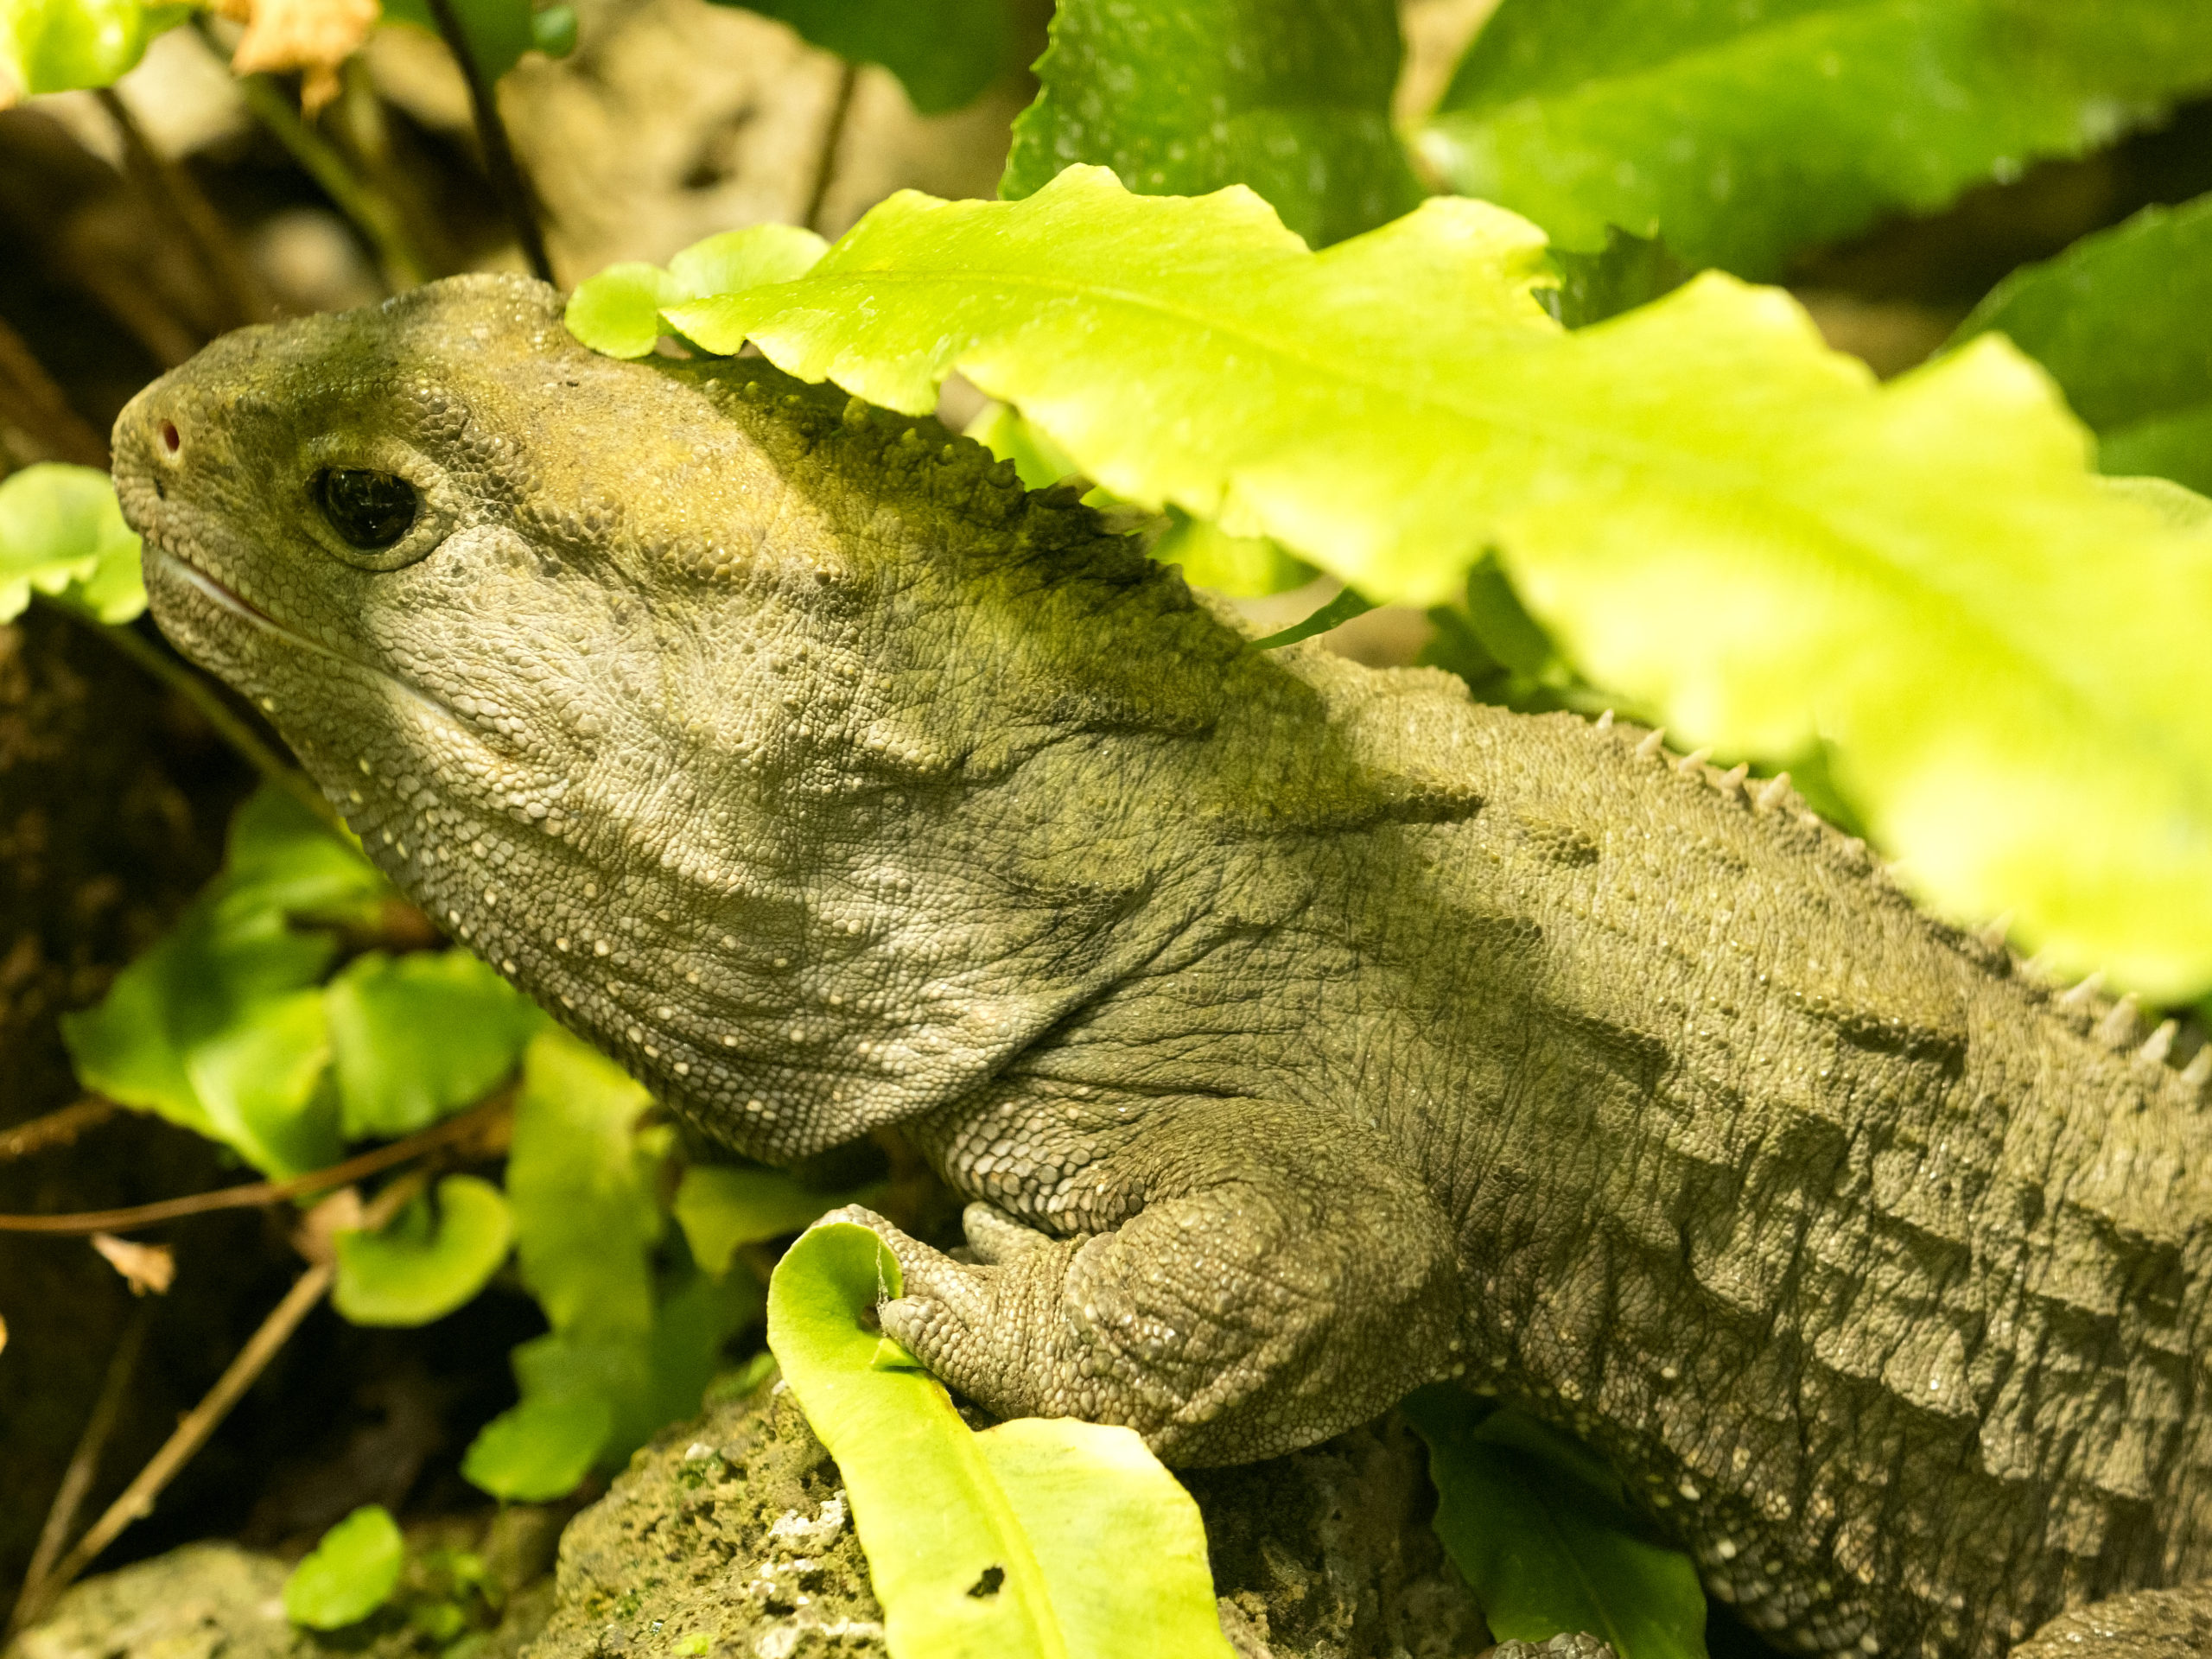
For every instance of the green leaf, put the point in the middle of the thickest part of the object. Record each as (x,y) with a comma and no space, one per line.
(418,1037)
(426,1264)
(218,1026)
(62,534)
(539,1450)
(584,1214)
(53,46)
(944,52)
(498,31)
(1538,1528)
(1745,129)
(618,311)
(1628,271)
(2123,321)
(1713,515)
(349,1574)
(1243,567)
(1290,96)
(991,1542)
(1345,606)
(723,1207)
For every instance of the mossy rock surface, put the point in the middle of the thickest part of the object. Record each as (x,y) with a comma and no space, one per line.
(729,1537)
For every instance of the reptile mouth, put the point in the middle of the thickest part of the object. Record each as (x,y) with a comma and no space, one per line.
(228,599)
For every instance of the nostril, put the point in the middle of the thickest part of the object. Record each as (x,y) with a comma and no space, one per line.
(172,440)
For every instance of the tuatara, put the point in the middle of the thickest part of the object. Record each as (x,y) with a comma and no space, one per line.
(1302,1032)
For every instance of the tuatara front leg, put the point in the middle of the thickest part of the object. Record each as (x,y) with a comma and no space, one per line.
(1232,1278)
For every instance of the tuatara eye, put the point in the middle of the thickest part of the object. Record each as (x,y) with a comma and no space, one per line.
(371,510)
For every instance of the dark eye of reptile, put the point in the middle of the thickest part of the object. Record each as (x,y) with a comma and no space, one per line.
(371,510)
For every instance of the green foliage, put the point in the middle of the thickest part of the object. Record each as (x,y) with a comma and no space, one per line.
(540,1449)
(723,1207)
(498,31)
(415,1038)
(944,52)
(618,311)
(1289,97)
(1541,1531)
(52,46)
(994,1542)
(1745,129)
(634,1341)
(349,1574)
(219,1028)
(427,1262)
(1715,517)
(1628,271)
(2123,321)
(62,534)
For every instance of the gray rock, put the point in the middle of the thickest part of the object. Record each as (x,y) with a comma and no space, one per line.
(730,1536)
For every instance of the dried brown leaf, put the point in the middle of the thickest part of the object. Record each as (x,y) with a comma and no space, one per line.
(144,1267)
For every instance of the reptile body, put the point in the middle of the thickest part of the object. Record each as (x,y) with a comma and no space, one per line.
(1303,1033)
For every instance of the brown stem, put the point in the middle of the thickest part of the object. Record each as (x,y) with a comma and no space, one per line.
(833,137)
(168,190)
(499,163)
(56,1128)
(373,213)
(84,1468)
(30,400)
(190,1434)
(252,1194)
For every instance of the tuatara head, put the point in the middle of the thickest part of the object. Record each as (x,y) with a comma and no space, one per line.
(678,691)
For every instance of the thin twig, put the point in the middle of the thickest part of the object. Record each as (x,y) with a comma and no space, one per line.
(170,192)
(373,214)
(499,163)
(42,409)
(196,689)
(833,139)
(56,1128)
(254,1194)
(190,1434)
(193,1430)
(84,1468)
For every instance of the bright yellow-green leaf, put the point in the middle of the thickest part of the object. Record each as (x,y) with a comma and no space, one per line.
(53,46)
(1713,514)
(540,1449)
(417,1037)
(721,1206)
(349,1574)
(62,534)
(986,1545)
(583,1205)
(426,1264)
(618,311)
(219,1026)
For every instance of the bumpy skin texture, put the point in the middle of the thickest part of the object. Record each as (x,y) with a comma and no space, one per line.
(1304,1033)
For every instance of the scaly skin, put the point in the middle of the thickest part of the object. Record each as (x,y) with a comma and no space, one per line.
(1305,1033)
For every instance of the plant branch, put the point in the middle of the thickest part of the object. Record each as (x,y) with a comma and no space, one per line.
(84,1468)
(170,191)
(192,1431)
(832,138)
(373,212)
(202,1421)
(254,1194)
(499,163)
(56,1128)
